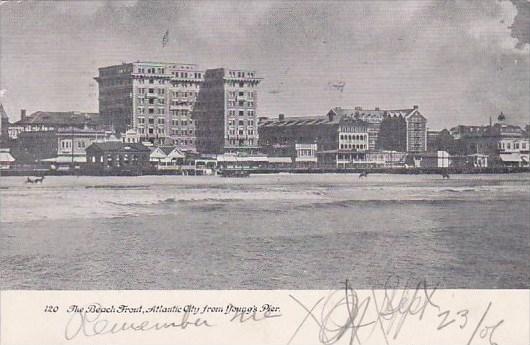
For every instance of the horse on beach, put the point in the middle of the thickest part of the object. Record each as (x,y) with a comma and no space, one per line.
(36,180)
(363,174)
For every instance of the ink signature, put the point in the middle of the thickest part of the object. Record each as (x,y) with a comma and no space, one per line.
(345,315)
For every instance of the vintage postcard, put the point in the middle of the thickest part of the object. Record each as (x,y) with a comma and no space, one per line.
(265,172)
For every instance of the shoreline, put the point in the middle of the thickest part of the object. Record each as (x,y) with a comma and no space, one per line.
(261,171)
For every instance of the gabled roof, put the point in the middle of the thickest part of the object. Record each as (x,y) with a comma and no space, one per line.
(176,153)
(371,113)
(415,112)
(118,146)
(167,149)
(65,118)
(298,121)
(157,152)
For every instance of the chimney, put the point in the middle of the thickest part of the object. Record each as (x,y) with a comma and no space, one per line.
(415,107)
(281,117)
(22,114)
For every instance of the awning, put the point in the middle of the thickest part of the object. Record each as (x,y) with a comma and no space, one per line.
(280,160)
(514,157)
(6,157)
(223,158)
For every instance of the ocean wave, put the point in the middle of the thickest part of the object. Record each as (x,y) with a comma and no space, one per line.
(461,190)
(386,202)
(169,201)
(118,187)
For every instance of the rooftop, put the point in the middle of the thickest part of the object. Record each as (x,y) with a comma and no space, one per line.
(360,112)
(66,118)
(118,146)
(298,121)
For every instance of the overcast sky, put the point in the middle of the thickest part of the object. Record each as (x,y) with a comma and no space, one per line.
(460,61)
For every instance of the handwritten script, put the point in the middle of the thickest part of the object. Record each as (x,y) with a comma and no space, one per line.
(87,323)
(344,315)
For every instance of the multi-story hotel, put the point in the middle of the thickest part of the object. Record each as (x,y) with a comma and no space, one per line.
(415,125)
(330,140)
(155,99)
(225,116)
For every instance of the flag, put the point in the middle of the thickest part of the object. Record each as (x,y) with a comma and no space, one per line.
(165,39)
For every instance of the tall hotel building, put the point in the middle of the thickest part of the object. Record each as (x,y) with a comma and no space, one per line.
(225,116)
(155,99)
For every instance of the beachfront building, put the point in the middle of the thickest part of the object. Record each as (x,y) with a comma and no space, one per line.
(416,131)
(156,99)
(503,144)
(348,138)
(166,157)
(7,161)
(391,129)
(42,121)
(131,136)
(72,144)
(373,117)
(514,151)
(329,141)
(306,154)
(115,157)
(226,113)
(353,142)
(280,137)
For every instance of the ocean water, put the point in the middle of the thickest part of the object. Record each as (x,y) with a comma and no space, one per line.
(264,232)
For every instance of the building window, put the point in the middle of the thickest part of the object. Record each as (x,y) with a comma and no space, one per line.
(241,113)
